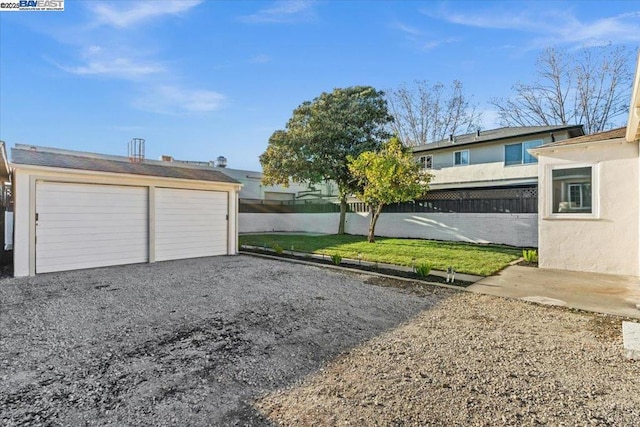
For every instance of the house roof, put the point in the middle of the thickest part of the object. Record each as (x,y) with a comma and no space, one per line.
(600,136)
(42,156)
(494,135)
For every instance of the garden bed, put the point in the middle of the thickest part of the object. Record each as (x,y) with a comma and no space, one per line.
(354,264)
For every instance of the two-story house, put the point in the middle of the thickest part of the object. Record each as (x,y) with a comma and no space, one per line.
(490,170)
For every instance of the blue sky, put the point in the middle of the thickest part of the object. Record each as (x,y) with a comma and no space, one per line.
(199,79)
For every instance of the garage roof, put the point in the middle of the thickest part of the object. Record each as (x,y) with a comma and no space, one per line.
(42,156)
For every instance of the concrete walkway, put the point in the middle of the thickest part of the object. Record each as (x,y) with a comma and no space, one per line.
(601,293)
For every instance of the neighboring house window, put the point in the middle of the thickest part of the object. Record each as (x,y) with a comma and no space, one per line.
(572,190)
(461,157)
(517,154)
(426,162)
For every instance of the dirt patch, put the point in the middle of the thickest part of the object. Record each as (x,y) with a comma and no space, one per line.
(527,264)
(190,342)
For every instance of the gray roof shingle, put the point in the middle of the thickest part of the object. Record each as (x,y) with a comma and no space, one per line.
(35,157)
(493,135)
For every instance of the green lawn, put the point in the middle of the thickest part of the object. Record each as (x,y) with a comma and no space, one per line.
(469,258)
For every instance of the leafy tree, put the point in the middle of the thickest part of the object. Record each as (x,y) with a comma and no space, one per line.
(589,87)
(426,113)
(390,175)
(322,134)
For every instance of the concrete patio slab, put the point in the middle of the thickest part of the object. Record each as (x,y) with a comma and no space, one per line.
(601,293)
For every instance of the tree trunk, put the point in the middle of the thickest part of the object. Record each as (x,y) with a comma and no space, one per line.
(375,213)
(343,212)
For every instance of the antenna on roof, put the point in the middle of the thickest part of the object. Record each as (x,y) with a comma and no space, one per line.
(136,150)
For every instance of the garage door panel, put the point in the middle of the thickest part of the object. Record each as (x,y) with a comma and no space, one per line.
(92,210)
(73,265)
(48,241)
(87,219)
(86,254)
(90,225)
(190,223)
(197,227)
(189,243)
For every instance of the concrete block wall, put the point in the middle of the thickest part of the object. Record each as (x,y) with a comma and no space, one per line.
(508,229)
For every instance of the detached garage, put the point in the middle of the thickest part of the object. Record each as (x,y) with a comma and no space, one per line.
(78,210)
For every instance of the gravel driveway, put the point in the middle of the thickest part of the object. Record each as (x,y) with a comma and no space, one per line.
(475,360)
(189,342)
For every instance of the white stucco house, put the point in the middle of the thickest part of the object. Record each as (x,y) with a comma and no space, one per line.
(589,196)
(75,210)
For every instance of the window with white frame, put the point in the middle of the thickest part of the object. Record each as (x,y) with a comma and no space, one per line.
(426,162)
(517,154)
(572,190)
(461,157)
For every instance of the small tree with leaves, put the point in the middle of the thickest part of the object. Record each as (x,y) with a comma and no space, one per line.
(390,175)
(322,134)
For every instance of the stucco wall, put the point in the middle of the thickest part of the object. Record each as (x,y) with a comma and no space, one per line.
(609,242)
(509,229)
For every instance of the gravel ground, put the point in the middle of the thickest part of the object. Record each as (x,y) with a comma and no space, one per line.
(190,342)
(475,360)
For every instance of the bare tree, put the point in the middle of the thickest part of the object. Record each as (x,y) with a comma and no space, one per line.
(589,87)
(426,113)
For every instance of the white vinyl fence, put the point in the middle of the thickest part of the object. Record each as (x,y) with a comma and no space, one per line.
(508,229)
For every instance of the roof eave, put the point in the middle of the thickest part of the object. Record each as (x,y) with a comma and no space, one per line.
(422,148)
(5,169)
(30,167)
(633,124)
(551,148)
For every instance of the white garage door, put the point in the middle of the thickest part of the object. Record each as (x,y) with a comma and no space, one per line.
(190,223)
(87,225)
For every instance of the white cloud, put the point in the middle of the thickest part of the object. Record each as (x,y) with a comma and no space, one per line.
(281,12)
(101,62)
(493,20)
(123,68)
(411,31)
(617,29)
(172,99)
(260,59)
(136,12)
(418,38)
(432,44)
(552,26)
